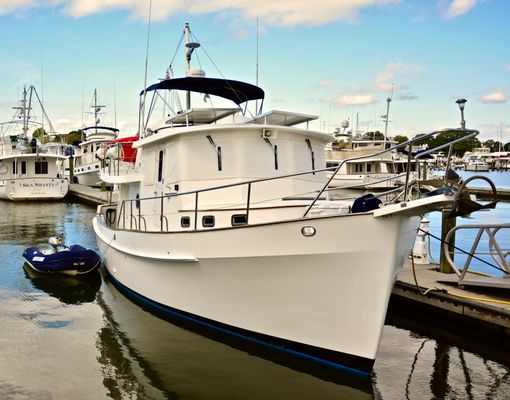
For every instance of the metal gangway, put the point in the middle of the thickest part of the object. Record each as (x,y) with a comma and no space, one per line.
(498,248)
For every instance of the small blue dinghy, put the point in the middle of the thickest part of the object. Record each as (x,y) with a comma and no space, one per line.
(74,260)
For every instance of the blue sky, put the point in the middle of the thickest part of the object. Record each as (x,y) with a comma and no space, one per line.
(331,58)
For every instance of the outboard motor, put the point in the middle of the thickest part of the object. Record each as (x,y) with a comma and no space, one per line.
(55,241)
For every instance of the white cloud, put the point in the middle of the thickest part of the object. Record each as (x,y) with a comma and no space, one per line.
(495,97)
(397,72)
(289,13)
(351,100)
(9,6)
(459,7)
(324,84)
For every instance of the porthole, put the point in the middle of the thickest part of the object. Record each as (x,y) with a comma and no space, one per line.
(308,230)
(208,221)
(239,219)
(185,222)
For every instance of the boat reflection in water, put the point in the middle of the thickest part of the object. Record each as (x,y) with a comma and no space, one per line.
(148,357)
(66,288)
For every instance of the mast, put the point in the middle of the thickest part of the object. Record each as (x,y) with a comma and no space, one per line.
(257,69)
(24,112)
(190,47)
(386,118)
(97,110)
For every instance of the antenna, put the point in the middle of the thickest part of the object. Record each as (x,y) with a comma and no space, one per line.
(146,68)
(190,46)
(42,94)
(114,104)
(387,116)
(257,68)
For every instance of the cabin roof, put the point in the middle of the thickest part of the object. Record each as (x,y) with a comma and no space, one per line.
(236,91)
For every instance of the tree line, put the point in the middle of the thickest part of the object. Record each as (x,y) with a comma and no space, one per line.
(459,149)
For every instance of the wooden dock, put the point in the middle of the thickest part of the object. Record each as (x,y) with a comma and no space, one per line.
(91,195)
(486,193)
(472,310)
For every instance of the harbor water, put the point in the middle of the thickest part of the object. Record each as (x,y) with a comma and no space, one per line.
(80,338)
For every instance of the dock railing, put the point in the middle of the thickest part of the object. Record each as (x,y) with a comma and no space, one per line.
(495,249)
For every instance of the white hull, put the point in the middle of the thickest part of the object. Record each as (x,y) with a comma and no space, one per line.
(88,175)
(477,167)
(364,181)
(24,189)
(327,293)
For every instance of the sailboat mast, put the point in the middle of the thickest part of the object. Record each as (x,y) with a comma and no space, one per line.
(388,101)
(24,112)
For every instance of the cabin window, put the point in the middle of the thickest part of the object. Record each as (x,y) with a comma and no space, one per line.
(14,168)
(220,166)
(208,221)
(160,166)
(41,167)
(239,219)
(369,167)
(185,222)
(331,165)
(358,167)
(23,167)
(312,154)
(218,151)
(137,202)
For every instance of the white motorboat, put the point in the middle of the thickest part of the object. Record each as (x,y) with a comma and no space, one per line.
(226,221)
(477,165)
(87,163)
(386,170)
(29,169)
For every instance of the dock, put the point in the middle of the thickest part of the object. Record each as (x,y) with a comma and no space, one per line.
(91,195)
(471,311)
(486,193)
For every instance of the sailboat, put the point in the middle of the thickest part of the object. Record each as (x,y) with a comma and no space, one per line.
(226,222)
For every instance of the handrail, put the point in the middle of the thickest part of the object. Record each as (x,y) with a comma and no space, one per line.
(250,183)
(498,254)
(472,133)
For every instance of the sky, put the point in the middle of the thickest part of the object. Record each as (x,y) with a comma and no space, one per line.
(339,60)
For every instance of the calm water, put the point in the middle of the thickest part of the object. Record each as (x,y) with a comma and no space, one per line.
(71,338)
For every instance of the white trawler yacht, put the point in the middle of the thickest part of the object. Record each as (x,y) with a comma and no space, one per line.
(87,163)
(225,221)
(29,169)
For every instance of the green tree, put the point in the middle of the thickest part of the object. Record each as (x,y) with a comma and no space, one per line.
(459,149)
(400,139)
(41,134)
(73,136)
(373,136)
(491,144)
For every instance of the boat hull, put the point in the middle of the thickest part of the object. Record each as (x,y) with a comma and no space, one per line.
(27,189)
(88,175)
(323,297)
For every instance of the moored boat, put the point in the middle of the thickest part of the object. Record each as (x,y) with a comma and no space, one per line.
(73,260)
(29,168)
(227,222)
